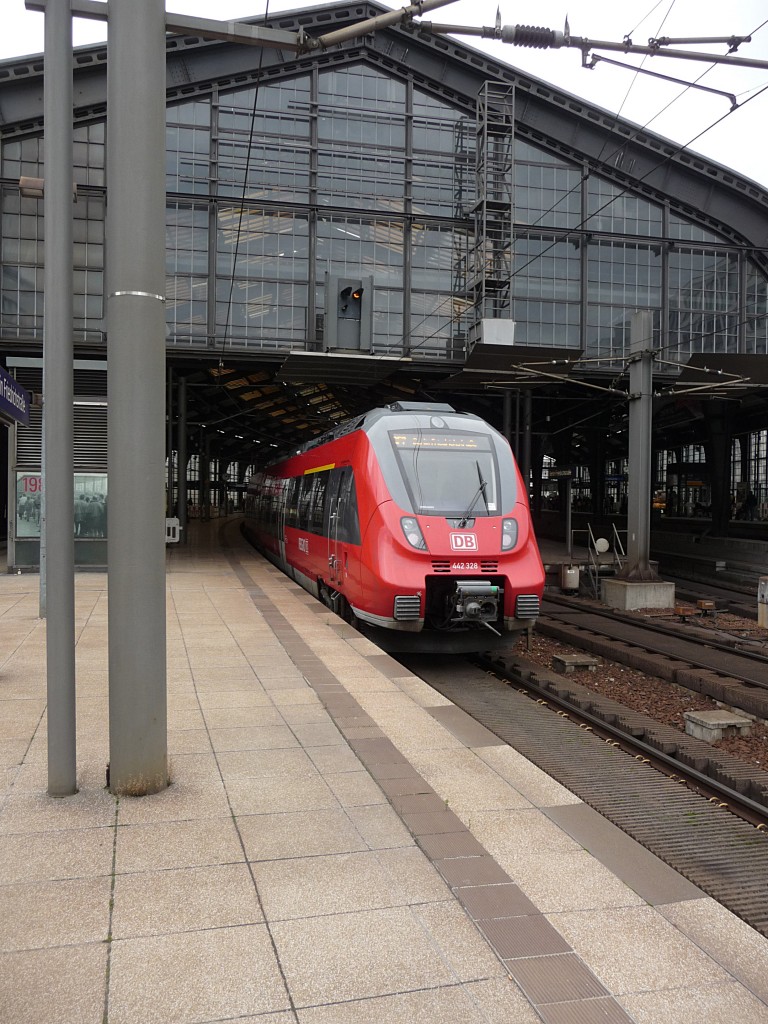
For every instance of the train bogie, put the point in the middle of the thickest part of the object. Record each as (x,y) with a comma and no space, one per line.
(411,521)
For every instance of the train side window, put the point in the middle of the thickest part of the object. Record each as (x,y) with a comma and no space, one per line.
(349,521)
(266,500)
(305,496)
(317,502)
(292,501)
(269,501)
(279,504)
(332,502)
(275,494)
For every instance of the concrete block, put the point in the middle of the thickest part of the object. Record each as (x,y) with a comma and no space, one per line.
(630,596)
(569,662)
(713,725)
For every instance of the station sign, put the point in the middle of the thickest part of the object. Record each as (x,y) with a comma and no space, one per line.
(14,400)
(561,473)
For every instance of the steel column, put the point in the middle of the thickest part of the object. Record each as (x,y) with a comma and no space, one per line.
(507,416)
(58,392)
(525,461)
(205,478)
(135,237)
(169,503)
(640,421)
(181,459)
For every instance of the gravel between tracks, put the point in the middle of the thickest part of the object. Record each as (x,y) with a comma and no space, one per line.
(661,700)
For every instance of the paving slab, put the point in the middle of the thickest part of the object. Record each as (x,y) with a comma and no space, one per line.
(339,844)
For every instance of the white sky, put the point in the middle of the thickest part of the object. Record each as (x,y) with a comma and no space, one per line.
(738,142)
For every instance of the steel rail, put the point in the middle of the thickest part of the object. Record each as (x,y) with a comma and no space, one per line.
(749,810)
(657,627)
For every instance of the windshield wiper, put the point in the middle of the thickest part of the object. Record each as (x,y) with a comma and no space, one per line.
(480,490)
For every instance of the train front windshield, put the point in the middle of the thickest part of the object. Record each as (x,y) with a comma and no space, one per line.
(448,473)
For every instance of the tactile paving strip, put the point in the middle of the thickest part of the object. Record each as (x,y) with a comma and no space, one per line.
(724,856)
(509,921)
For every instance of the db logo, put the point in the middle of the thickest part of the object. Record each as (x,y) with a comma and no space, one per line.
(463,542)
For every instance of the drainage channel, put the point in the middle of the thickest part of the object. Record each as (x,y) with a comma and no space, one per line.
(724,856)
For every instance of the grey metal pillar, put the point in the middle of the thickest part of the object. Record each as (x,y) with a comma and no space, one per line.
(135,236)
(43,602)
(507,414)
(169,443)
(241,471)
(517,425)
(223,486)
(640,422)
(205,478)
(408,229)
(181,458)
(717,448)
(525,461)
(58,391)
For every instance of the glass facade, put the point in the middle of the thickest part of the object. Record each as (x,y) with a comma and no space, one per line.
(356,172)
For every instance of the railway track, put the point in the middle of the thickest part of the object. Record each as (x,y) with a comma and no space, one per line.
(679,653)
(690,826)
(741,600)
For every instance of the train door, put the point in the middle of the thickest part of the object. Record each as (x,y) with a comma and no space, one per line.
(285,489)
(343,528)
(334,529)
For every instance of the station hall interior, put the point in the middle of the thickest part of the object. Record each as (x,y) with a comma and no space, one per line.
(401,217)
(392,217)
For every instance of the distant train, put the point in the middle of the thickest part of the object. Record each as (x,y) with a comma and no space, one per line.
(412,522)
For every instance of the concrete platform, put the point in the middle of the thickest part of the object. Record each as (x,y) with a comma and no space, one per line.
(339,844)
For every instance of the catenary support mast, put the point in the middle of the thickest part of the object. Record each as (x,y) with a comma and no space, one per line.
(638,566)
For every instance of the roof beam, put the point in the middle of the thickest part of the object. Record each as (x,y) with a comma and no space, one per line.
(257,35)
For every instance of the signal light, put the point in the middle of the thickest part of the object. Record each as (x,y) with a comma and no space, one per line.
(350,296)
(348,322)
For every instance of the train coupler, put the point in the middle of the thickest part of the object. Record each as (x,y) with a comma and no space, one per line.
(475,601)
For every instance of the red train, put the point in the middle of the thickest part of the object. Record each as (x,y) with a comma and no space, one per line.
(411,521)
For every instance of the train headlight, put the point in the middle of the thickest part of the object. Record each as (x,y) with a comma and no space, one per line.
(508,534)
(413,533)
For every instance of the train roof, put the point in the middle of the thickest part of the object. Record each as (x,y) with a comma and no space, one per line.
(370,417)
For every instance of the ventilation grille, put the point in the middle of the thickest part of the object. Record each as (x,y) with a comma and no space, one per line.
(441,567)
(407,607)
(90,448)
(527,606)
(87,383)
(89,423)
(28,442)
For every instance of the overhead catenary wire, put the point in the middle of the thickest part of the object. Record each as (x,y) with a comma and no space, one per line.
(583,223)
(244,191)
(456,317)
(450,299)
(629,189)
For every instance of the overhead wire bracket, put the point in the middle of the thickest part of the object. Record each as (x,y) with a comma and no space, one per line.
(595,58)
